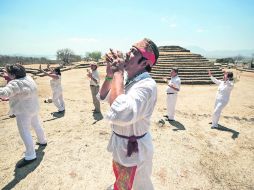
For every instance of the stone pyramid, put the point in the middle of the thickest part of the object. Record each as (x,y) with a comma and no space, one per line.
(193,68)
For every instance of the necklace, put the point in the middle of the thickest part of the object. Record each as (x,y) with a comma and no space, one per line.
(129,81)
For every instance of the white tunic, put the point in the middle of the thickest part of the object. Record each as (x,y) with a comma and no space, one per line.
(56,84)
(175,81)
(95,75)
(224,89)
(129,115)
(22,94)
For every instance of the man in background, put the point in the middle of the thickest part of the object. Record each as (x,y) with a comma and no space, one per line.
(172,91)
(94,85)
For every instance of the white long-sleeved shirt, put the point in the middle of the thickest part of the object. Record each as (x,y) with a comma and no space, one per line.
(224,89)
(95,75)
(56,85)
(175,81)
(129,115)
(22,94)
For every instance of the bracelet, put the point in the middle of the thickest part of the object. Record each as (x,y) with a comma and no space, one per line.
(108,78)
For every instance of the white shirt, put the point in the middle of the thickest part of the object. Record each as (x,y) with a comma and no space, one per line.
(22,94)
(224,89)
(95,75)
(175,81)
(56,84)
(129,115)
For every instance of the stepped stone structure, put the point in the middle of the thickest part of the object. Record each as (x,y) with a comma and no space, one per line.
(192,67)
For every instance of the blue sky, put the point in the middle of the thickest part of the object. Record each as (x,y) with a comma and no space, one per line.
(41,27)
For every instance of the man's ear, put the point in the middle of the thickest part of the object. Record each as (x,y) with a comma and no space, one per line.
(12,76)
(149,62)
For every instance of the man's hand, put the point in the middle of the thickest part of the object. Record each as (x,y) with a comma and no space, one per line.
(89,75)
(171,85)
(3,73)
(115,62)
(42,70)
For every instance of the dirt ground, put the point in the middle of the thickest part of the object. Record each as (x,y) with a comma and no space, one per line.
(188,153)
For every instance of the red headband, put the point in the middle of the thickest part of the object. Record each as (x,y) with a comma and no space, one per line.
(148,55)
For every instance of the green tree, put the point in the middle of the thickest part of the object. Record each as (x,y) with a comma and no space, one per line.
(238,58)
(75,58)
(65,55)
(95,55)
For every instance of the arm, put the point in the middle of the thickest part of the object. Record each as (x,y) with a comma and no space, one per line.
(173,86)
(106,86)
(175,83)
(54,76)
(4,74)
(117,87)
(115,70)
(90,75)
(216,81)
(95,80)
(11,89)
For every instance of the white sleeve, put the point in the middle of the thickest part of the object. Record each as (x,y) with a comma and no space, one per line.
(216,81)
(128,108)
(11,89)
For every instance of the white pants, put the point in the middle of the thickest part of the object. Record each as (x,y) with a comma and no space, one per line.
(24,122)
(219,105)
(171,104)
(142,179)
(58,100)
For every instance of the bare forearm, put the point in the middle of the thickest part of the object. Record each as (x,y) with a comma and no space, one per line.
(105,88)
(52,75)
(171,86)
(117,87)
(94,80)
(216,81)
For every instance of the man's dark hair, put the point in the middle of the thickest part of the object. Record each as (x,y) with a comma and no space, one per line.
(155,51)
(230,76)
(175,69)
(154,48)
(58,71)
(16,69)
